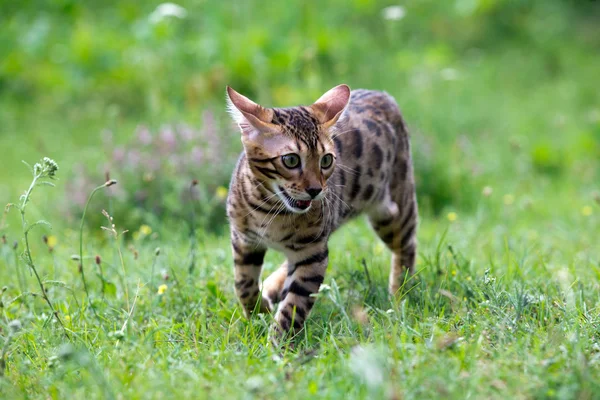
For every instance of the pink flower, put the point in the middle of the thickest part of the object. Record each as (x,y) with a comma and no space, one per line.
(143,135)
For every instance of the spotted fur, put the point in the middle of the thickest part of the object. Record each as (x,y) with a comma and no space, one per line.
(372,173)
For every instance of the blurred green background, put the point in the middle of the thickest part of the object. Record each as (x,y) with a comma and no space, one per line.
(503,105)
(500,93)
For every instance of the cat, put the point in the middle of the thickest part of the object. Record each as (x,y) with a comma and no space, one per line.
(304,172)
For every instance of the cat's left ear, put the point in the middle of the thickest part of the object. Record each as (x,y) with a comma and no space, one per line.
(330,106)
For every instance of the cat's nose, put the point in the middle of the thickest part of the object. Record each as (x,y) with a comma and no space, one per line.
(313,192)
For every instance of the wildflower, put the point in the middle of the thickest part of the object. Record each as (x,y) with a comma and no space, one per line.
(67,318)
(393,13)
(145,230)
(379,248)
(98,260)
(166,10)
(221,193)
(454,272)
(586,211)
(487,191)
(144,136)
(162,289)
(48,167)
(508,199)
(51,241)
(452,216)
(324,288)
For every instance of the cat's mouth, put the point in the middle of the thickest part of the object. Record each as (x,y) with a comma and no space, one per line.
(296,205)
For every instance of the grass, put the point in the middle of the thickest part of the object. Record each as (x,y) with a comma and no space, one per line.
(505,126)
(516,317)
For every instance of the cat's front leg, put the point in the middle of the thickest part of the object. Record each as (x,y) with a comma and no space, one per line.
(306,272)
(248,261)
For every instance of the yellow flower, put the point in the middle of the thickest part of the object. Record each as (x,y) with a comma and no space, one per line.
(509,199)
(52,241)
(67,318)
(145,230)
(586,211)
(221,192)
(162,289)
(454,272)
(452,216)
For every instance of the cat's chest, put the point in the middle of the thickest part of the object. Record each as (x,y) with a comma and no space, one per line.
(285,234)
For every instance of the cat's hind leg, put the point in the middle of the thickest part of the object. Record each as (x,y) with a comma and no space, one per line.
(396,226)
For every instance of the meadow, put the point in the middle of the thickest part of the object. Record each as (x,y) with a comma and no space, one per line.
(128,293)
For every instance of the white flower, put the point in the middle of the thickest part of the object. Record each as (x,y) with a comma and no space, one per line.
(324,288)
(393,13)
(166,10)
(366,364)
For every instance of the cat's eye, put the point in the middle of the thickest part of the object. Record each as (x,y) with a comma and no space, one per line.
(326,161)
(291,160)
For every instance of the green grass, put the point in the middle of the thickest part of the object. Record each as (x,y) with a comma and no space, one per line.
(497,94)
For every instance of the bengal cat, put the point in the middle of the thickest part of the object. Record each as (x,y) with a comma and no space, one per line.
(304,172)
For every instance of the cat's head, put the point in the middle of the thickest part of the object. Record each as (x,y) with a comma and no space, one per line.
(291,149)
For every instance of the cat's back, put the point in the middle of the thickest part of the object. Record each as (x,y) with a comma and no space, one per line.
(372,126)
(372,105)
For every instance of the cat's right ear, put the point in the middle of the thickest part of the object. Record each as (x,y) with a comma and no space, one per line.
(252,118)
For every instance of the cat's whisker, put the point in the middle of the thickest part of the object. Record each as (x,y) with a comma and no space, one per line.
(339,198)
(338,134)
(346,168)
(264,202)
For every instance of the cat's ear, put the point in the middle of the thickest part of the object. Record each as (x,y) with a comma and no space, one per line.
(252,118)
(330,106)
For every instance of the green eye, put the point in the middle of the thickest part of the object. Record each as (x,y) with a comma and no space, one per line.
(326,161)
(291,160)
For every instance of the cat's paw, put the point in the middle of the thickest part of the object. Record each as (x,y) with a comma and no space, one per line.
(279,338)
(262,305)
